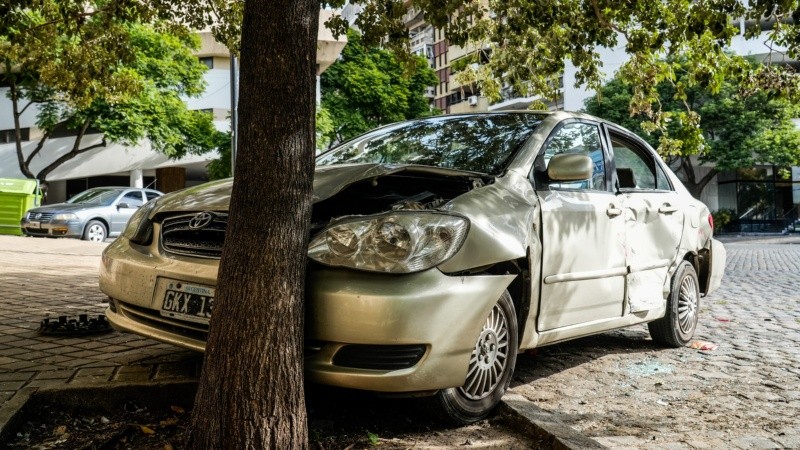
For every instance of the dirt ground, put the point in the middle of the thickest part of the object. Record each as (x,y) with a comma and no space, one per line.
(338,419)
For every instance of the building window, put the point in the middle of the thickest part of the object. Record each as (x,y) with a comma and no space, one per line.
(208,61)
(8,136)
(760,197)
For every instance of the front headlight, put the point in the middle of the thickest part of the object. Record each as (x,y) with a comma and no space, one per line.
(66,217)
(139,229)
(396,242)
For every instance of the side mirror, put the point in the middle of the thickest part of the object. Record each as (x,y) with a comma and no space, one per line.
(570,167)
(122,205)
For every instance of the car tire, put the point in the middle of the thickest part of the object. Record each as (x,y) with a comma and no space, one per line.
(95,231)
(677,326)
(493,359)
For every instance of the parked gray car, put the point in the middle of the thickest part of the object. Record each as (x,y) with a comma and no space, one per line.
(92,215)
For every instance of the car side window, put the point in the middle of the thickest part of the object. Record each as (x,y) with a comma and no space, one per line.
(133,199)
(581,138)
(151,195)
(636,167)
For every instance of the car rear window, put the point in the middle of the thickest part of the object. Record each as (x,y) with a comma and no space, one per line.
(477,143)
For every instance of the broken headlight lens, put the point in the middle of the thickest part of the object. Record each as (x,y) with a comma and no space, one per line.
(396,242)
(139,229)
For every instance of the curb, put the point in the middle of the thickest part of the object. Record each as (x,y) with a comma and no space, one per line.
(544,425)
(10,412)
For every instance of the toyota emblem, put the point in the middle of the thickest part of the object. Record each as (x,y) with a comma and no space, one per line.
(201,220)
(37,216)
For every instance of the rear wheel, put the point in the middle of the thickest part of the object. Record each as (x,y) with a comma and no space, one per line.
(677,326)
(95,231)
(491,366)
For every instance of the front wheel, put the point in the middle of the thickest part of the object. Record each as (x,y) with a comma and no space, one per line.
(491,366)
(677,326)
(95,231)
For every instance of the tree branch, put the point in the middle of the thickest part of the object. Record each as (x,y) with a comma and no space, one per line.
(604,22)
(22,111)
(705,180)
(72,17)
(66,157)
(38,148)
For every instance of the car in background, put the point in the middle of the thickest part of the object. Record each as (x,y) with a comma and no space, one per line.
(93,215)
(442,247)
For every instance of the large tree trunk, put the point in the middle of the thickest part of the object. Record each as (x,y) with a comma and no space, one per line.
(251,388)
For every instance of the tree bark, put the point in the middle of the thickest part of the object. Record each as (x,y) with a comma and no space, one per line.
(250,394)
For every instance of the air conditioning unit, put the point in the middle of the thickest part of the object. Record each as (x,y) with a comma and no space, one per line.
(473,100)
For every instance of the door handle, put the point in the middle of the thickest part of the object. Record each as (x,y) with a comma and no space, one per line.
(667,209)
(613,211)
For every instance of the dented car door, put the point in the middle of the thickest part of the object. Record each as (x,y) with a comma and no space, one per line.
(653,221)
(583,231)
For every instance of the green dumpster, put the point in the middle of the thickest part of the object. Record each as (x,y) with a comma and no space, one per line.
(16,197)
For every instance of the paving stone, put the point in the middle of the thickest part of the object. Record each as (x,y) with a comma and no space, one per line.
(706,444)
(755,443)
(63,375)
(6,396)
(790,439)
(15,376)
(133,373)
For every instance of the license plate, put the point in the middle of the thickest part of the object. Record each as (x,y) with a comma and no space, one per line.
(34,225)
(187,302)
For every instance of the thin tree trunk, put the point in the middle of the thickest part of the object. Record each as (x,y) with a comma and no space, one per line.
(695,186)
(14,91)
(250,394)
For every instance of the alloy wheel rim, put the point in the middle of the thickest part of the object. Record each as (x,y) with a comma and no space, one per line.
(96,233)
(687,305)
(489,357)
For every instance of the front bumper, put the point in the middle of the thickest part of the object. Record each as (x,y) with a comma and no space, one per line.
(345,309)
(73,228)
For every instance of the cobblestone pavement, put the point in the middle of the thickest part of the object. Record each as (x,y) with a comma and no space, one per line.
(49,277)
(625,392)
(618,388)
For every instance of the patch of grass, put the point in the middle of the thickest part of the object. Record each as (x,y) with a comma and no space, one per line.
(722,302)
(374,439)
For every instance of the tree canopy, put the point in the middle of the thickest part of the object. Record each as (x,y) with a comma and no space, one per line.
(95,74)
(738,130)
(369,86)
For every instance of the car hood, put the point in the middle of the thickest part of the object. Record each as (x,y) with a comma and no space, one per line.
(328,180)
(64,207)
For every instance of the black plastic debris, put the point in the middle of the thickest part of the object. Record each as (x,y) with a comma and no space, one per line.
(81,325)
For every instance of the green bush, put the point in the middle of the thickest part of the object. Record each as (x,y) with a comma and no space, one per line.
(723,217)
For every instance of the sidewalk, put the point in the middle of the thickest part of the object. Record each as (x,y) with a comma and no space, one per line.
(52,277)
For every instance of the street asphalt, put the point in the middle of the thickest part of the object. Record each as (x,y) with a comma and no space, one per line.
(617,388)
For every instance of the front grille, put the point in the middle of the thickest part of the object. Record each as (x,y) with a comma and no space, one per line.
(379,357)
(206,242)
(153,319)
(40,216)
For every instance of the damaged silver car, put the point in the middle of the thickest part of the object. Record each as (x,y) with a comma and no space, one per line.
(444,246)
